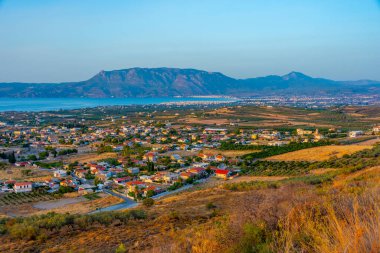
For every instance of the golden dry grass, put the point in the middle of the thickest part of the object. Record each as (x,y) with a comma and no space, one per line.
(296,218)
(225,111)
(345,222)
(206,121)
(166,117)
(14,173)
(86,206)
(86,158)
(343,179)
(39,179)
(82,207)
(229,153)
(319,153)
(306,222)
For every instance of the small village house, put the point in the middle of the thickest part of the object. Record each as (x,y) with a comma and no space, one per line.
(23,187)
(224,174)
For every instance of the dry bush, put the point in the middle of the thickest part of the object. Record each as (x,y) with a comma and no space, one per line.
(339,224)
(203,238)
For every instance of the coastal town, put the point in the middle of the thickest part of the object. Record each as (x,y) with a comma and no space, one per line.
(190,126)
(136,160)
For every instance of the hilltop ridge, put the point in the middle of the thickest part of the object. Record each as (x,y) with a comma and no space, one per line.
(167,82)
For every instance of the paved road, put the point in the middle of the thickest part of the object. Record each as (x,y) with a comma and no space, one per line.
(128,203)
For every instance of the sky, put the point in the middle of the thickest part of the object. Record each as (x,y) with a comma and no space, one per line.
(72,40)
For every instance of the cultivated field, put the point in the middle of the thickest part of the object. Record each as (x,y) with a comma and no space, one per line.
(319,153)
(15,199)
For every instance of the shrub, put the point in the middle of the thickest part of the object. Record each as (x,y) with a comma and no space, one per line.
(148,202)
(38,227)
(210,206)
(175,186)
(252,185)
(121,248)
(256,238)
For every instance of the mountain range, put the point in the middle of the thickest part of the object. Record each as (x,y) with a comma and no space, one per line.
(164,82)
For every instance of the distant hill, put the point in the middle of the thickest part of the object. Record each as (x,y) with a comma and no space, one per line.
(163,82)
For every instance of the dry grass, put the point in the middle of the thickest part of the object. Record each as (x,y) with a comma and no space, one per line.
(214,182)
(229,153)
(322,171)
(319,153)
(342,180)
(347,221)
(82,207)
(206,121)
(343,226)
(292,218)
(223,111)
(14,173)
(86,206)
(166,117)
(86,158)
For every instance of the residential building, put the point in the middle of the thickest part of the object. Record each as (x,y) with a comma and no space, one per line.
(23,187)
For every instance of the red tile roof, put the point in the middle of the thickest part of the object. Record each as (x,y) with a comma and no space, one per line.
(23,183)
(135,183)
(222,172)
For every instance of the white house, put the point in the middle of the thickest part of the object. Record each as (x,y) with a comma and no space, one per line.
(134,170)
(60,173)
(354,134)
(23,187)
(170,177)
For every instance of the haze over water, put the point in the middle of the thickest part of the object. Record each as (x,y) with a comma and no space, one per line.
(52,104)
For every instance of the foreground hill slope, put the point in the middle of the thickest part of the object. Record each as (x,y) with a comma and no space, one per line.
(333,211)
(163,82)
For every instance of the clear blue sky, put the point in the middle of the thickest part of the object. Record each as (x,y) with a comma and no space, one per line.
(70,40)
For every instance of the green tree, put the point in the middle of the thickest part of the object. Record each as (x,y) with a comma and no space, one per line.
(12,158)
(32,158)
(43,155)
(150,193)
(150,166)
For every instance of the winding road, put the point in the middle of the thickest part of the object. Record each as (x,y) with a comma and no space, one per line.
(128,203)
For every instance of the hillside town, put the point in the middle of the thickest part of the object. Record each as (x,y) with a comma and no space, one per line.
(145,159)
